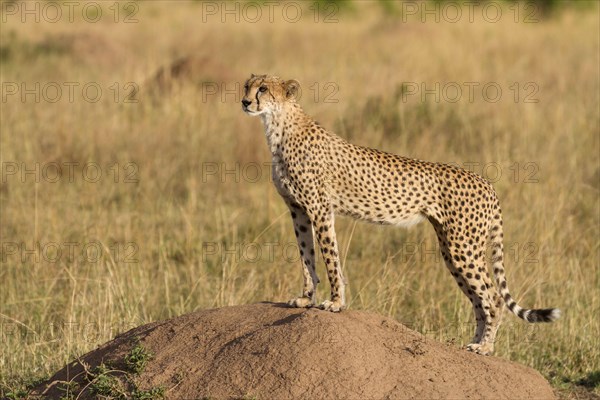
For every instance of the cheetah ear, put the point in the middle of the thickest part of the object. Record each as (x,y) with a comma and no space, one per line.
(291,87)
(252,76)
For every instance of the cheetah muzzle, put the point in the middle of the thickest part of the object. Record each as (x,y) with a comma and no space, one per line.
(319,174)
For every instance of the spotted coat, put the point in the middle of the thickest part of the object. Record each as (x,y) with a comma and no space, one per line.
(319,174)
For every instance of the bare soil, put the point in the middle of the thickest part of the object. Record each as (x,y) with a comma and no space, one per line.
(270,351)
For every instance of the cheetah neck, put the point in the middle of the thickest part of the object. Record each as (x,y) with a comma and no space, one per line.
(278,121)
(273,123)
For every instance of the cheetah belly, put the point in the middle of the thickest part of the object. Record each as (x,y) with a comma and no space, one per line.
(406,219)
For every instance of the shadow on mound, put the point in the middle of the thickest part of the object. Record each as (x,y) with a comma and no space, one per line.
(270,351)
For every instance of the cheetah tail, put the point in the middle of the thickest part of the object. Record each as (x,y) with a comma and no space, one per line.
(529,315)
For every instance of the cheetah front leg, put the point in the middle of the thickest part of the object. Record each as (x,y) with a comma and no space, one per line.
(323,223)
(304,235)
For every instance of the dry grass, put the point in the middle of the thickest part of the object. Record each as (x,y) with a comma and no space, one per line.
(194,234)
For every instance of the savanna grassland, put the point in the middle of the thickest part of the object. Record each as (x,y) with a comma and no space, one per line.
(127,199)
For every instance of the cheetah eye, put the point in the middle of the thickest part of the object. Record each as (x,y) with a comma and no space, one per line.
(262,89)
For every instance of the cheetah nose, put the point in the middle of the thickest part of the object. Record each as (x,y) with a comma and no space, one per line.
(246,103)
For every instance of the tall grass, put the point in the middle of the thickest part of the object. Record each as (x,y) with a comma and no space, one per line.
(184,215)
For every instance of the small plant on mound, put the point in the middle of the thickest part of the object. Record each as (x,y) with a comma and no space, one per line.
(108,381)
(22,390)
(104,382)
(137,359)
(17,394)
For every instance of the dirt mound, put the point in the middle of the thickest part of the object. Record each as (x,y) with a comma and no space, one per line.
(270,351)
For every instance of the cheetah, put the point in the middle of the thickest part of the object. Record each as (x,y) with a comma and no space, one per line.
(319,174)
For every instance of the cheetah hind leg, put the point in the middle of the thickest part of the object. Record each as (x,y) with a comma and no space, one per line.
(485,345)
(464,273)
(462,284)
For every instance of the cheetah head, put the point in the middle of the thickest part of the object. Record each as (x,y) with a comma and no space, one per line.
(265,94)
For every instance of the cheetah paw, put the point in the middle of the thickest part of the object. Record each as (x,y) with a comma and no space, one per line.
(485,349)
(333,306)
(301,302)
